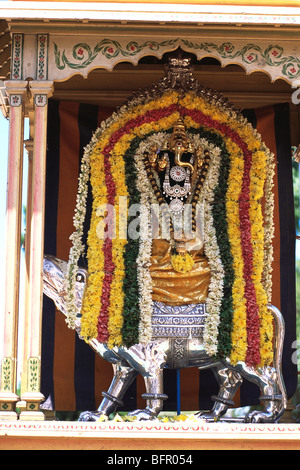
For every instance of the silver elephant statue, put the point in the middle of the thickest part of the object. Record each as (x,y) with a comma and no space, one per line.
(177,343)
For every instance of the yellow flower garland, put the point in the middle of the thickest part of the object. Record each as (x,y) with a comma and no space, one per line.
(182,263)
(266,321)
(115,322)
(259,158)
(91,300)
(91,303)
(239,335)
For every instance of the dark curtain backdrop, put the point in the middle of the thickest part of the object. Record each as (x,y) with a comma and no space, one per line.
(73,377)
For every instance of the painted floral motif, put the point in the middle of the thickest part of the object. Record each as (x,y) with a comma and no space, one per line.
(17,56)
(42,56)
(7,374)
(109,48)
(271,56)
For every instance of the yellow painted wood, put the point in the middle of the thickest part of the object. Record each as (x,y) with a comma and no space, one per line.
(148,436)
(34,257)
(278,3)
(9,333)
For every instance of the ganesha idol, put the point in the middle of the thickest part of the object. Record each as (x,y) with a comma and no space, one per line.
(188,282)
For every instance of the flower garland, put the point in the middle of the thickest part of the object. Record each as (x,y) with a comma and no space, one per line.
(182,263)
(145,246)
(211,246)
(238,336)
(240,324)
(256,327)
(77,247)
(209,141)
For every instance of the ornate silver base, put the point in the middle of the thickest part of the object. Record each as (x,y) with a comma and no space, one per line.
(177,342)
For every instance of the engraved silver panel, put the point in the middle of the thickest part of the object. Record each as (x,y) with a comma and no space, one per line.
(179,353)
(184,321)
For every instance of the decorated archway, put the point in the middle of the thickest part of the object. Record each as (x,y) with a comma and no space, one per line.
(58,56)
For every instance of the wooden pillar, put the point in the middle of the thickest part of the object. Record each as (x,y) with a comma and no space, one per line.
(16,91)
(31,393)
(21,405)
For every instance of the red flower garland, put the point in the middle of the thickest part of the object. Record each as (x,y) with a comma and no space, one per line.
(109,267)
(253,340)
(253,354)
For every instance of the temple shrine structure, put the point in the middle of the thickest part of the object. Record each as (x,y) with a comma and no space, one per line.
(65,67)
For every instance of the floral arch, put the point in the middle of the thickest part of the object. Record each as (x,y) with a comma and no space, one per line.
(238,228)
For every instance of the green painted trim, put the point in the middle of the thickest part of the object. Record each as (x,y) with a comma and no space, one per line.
(273,55)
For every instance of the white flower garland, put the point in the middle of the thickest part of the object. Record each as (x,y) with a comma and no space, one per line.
(215,294)
(77,247)
(145,246)
(211,249)
(148,198)
(269,225)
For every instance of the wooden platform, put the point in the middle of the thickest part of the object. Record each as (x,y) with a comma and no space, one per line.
(112,436)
